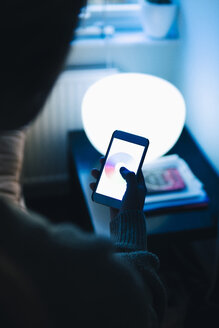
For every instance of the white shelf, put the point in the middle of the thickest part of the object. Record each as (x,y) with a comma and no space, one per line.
(132,52)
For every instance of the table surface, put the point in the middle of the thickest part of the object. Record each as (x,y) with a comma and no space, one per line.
(190,224)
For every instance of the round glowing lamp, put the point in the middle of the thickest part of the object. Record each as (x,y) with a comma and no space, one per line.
(141,104)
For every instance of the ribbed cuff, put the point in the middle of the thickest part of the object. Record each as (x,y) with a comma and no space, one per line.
(128,231)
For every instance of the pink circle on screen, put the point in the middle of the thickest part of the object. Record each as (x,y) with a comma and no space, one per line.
(111,163)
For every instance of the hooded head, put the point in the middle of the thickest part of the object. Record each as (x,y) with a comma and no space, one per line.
(35,38)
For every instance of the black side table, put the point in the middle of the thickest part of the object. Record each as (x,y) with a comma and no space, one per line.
(191,224)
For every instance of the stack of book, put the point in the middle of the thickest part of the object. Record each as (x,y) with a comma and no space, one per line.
(172,185)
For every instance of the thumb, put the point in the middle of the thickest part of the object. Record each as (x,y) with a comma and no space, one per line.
(132,198)
(127,175)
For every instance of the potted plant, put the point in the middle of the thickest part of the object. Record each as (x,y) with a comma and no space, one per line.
(157,17)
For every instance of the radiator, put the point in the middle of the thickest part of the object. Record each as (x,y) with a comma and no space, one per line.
(45,158)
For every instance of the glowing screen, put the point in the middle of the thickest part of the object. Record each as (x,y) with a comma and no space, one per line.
(122,153)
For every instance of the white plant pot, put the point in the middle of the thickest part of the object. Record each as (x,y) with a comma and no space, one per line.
(157,19)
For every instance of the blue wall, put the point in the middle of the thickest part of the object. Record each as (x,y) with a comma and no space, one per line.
(199,76)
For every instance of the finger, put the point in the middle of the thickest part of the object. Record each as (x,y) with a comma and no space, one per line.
(102,159)
(140,177)
(95,173)
(141,181)
(127,175)
(92,186)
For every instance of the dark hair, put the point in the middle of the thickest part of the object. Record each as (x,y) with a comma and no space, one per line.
(35,38)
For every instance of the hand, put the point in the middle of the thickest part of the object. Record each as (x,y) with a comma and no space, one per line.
(95,173)
(134,196)
(136,190)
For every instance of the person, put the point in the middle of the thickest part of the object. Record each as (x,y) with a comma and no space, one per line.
(56,275)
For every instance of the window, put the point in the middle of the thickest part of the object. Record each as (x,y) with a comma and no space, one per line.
(105,18)
(95,2)
(100,17)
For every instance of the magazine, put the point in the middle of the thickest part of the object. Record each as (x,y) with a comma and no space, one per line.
(171,183)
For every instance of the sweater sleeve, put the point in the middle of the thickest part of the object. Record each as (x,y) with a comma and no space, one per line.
(77,277)
(11,160)
(128,231)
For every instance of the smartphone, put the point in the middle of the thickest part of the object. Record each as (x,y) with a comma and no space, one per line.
(126,150)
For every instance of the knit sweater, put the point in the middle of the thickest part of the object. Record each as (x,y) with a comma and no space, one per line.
(83,279)
(75,278)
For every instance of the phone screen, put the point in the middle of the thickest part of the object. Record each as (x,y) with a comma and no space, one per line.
(122,153)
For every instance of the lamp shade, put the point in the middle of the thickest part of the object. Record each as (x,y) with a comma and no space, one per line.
(141,104)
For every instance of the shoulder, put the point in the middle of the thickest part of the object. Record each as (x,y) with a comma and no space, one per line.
(76,273)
